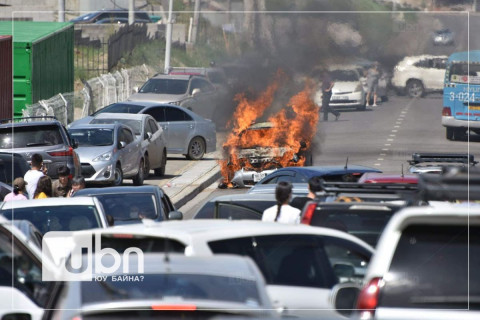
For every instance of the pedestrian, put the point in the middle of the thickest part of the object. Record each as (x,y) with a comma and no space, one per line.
(77,184)
(282,212)
(62,186)
(18,192)
(372,84)
(32,176)
(314,186)
(327,85)
(44,188)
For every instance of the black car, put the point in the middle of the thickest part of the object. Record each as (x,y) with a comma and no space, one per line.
(43,135)
(112,15)
(129,205)
(12,165)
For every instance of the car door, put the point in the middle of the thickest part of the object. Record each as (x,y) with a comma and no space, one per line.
(181,128)
(158,113)
(155,146)
(130,152)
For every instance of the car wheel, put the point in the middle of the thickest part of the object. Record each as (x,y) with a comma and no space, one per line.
(146,167)
(161,171)
(449,133)
(196,149)
(415,88)
(118,176)
(139,177)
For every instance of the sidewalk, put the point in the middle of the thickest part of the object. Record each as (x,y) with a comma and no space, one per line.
(193,180)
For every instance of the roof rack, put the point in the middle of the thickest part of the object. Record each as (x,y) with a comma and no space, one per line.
(27,119)
(353,187)
(465,158)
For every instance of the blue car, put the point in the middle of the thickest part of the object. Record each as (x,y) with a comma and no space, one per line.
(299,176)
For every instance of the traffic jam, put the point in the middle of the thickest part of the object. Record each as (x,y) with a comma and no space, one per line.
(298,218)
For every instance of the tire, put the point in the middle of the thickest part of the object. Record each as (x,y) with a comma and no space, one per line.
(196,149)
(118,180)
(139,177)
(161,170)
(146,170)
(449,133)
(415,88)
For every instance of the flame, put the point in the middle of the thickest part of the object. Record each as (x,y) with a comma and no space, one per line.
(292,125)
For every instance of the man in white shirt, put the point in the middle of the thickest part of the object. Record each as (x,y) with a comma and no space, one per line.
(33,175)
(282,212)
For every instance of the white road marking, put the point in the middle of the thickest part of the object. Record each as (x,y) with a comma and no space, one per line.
(394,130)
(377,164)
(392,135)
(389,139)
(385,149)
(380,159)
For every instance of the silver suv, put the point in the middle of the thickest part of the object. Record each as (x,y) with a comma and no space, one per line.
(195,93)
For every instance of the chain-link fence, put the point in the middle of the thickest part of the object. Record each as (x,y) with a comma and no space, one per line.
(96,93)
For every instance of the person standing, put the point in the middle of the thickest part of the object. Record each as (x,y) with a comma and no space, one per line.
(44,188)
(314,186)
(372,84)
(34,174)
(282,212)
(18,192)
(327,85)
(62,186)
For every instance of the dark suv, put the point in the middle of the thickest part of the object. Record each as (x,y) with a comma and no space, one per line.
(102,16)
(43,135)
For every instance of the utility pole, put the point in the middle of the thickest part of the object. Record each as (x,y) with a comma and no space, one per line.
(196,12)
(61,10)
(168,38)
(131,11)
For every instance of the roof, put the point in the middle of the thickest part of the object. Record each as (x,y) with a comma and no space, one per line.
(116,190)
(141,103)
(374,177)
(48,202)
(473,56)
(29,123)
(31,31)
(170,76)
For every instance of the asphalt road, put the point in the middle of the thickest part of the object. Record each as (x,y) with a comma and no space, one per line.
(383,137)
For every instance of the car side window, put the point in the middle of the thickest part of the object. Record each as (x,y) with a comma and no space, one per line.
(152,126)
(157,113)
(201,84)
(126,136)
(424,63)
(235,212)
(174,114)
(272,180)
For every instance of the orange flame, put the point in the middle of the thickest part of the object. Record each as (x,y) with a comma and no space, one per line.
(290,128)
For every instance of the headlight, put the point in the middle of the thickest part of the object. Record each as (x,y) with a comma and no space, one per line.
(103,157)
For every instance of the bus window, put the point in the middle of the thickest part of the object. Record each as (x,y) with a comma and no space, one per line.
(460,71)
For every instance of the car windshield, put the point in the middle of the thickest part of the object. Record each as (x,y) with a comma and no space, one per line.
(451,252)
(165,86)
(127,208)
(136,125)
(344,75)
(31,136)
(120,108)
(57,218)
(92,137)
(463,72)
(173,285)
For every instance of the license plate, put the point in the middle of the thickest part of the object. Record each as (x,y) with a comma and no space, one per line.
(259,176)
(339,98)
(474,108)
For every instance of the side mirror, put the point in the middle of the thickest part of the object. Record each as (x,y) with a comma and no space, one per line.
(74,143)
(148,135)
(196,91)
(122,145)
(135,89)
(175,215)
(344,298)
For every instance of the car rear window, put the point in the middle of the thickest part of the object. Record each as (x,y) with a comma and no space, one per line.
(434,267)
(165,86)
(31,136)
(57,218)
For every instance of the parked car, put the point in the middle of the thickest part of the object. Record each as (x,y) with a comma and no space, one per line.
(150,135)
(301,175)
(57,214)
(186,132)
(195,93)
(300,264)
(109,153)
(172,286)
(119,20)
(21,265)
(443,37)
(253,153)
(417,75)
(110,14)
(150,201)
(49,138)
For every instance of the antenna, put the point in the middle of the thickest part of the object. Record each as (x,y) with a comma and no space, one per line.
(402,171)
(346,164)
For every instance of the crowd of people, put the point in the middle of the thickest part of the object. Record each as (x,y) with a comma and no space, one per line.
(36,184)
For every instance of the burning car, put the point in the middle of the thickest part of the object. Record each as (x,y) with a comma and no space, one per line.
(259,152)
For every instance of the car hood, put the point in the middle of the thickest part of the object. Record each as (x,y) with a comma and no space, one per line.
(344,86)
(262,152)
(163,98)
(85,120)
(86,154)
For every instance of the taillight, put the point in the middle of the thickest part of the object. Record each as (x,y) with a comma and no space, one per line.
(446,112)
(67,153)
(181,307)
(368,298)
(307,217)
